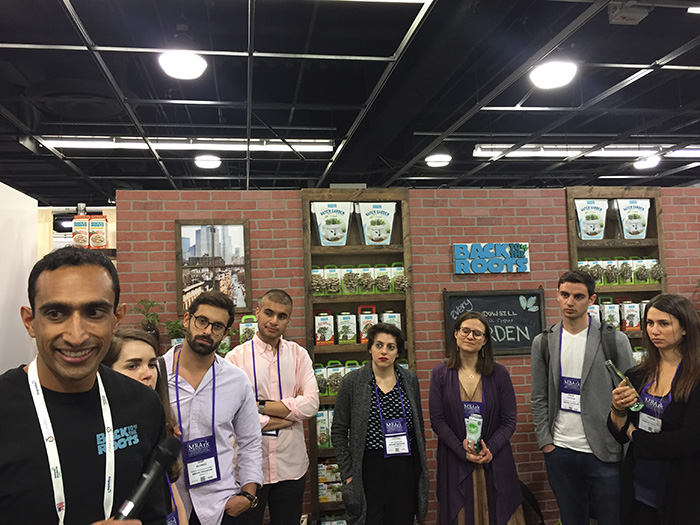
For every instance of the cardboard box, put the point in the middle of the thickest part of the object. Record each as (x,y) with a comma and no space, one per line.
(366,317)
(81,231)
(391,318)
(247,328)
(611,314)
(98,232)
(323,322)
(323,429)
(630,319)
(347,328)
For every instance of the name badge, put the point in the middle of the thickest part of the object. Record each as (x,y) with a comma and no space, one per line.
(469,408)
(201,462)
(395,438)
(172,518)
(570,389)
(649,423)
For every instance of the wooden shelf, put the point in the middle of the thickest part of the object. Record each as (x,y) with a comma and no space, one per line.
(357,250)
(354,253)
(330,506)
(358,298)
(602,289)
(340,349)
(618,243)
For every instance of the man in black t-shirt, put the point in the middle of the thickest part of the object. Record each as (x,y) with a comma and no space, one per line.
(59,415)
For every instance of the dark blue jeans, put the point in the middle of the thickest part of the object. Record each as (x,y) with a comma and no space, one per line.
(579,480)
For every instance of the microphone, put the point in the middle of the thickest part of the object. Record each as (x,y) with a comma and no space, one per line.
(163,457)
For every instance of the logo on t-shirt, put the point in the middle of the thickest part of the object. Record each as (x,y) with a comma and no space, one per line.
(123,437)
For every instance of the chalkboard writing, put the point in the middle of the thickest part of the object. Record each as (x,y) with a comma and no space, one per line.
(515,316)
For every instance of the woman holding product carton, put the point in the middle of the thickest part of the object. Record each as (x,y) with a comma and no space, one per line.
(660,481)
(477,482)
(378,436)
(134,353)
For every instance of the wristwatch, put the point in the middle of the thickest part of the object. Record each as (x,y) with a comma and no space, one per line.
(253,499)
(261,407)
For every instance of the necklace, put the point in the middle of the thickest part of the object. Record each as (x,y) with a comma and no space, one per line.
(471,397)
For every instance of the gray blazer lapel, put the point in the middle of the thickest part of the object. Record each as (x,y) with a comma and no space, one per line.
(554,337)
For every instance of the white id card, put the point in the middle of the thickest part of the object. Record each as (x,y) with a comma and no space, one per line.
(649,423)
(396,444)
(571,402)
(201,471)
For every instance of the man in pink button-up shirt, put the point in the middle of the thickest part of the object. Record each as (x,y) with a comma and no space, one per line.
(282,376)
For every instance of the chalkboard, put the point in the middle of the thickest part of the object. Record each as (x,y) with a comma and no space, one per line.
(515,316)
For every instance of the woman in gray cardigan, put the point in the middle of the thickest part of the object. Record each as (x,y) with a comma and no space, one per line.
(379,437)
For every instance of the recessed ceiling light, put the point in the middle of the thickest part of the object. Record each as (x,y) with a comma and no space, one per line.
(553,74)
(647,162)
(207,162)
(182,64)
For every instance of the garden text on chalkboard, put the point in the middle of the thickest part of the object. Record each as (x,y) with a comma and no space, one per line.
(515,316)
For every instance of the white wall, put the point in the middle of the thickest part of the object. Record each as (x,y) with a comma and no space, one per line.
(18,223)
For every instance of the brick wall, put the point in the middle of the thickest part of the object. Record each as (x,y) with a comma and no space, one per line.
(439,218)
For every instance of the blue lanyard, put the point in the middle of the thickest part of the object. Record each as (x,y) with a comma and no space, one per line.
(379,405)
(670,395)
(255,375)
(177,395)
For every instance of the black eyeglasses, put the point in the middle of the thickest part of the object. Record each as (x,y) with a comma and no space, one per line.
(203,323)
(476,333)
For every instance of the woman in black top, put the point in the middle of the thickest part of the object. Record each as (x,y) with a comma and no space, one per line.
(661,480)
(378,437)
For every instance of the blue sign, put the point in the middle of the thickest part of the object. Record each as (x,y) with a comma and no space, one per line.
(502,257)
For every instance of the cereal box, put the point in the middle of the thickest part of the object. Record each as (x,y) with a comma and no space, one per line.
(81,231)
(98,232)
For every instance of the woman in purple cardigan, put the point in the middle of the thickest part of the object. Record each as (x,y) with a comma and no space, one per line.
(476,485)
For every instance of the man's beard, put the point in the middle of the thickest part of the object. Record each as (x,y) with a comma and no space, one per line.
(202,344)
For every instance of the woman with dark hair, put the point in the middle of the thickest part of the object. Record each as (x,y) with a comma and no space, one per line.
(378,437)
(477,483)
(134,353)
(660,481)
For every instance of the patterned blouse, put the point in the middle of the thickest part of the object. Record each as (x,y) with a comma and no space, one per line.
(391,409)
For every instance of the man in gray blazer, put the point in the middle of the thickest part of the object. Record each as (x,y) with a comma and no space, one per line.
(571,396)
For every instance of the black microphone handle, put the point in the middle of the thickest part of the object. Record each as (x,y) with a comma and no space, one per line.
(163,457)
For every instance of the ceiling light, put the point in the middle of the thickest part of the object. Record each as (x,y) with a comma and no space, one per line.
(647,162)
(694,10)
(553,74)
(184,65)
(563,151)
(181,62)
(188,144)
(207,162)
(439,158)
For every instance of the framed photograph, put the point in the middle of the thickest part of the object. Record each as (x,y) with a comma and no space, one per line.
(213,255)
(515,316)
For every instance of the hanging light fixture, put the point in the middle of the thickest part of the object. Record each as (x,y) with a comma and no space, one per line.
(181,62)
(207,162)
(553,74)
(647,163)
(438,158)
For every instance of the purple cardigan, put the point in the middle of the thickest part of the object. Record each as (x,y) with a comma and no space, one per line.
(447,421)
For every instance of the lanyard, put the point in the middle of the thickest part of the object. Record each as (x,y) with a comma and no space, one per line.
(379,405)
(561,338)
(52,449)
(670,394)
(177,395)
(255,375)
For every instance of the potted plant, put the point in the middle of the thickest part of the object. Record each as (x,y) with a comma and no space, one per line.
(176,331)
(150,321)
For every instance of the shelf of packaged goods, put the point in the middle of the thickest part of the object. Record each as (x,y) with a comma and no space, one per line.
(358,298)
(602,289)
(617,243)
(331,506)
(361,249)
(326,453)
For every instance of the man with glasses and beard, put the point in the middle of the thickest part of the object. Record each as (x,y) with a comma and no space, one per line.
(214,403)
